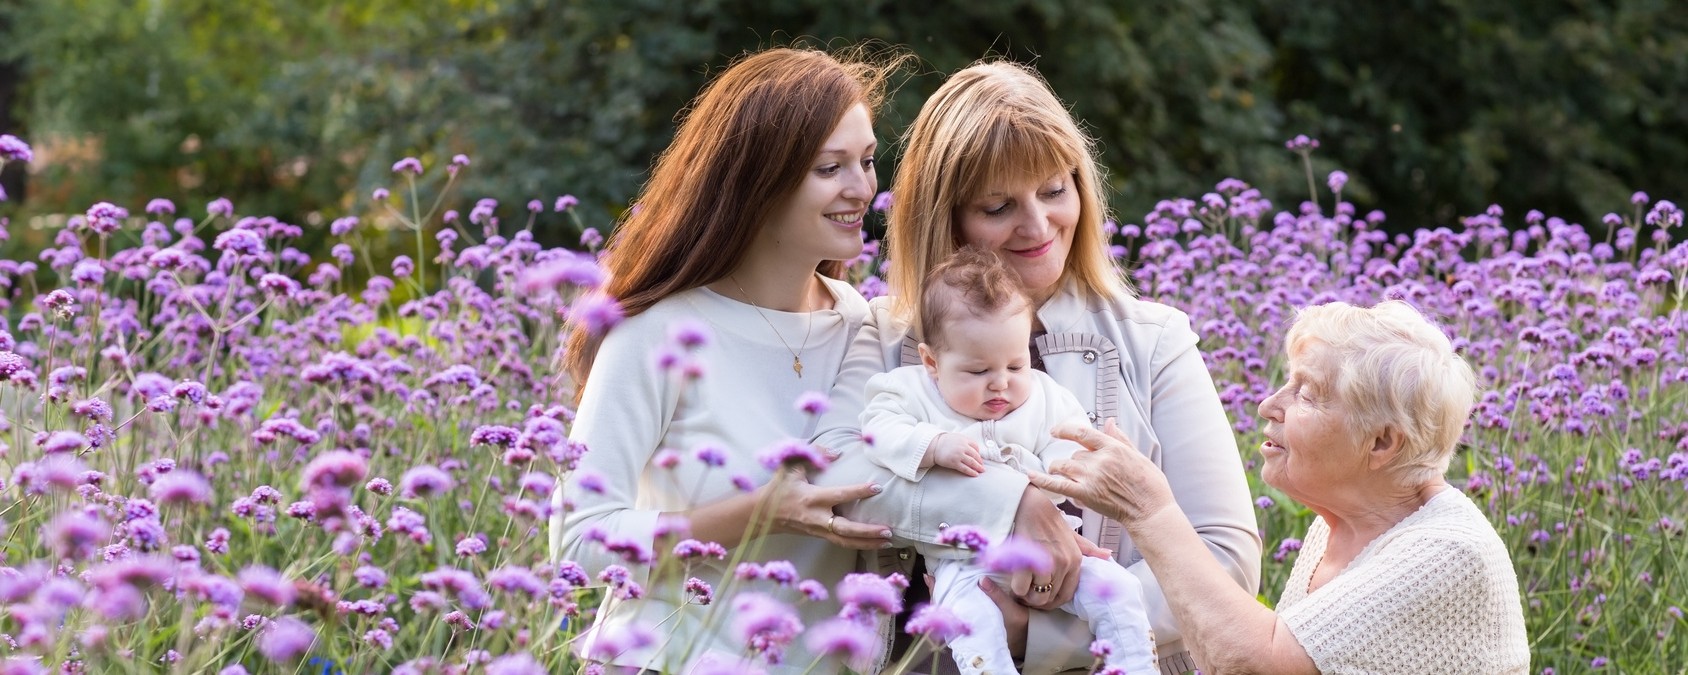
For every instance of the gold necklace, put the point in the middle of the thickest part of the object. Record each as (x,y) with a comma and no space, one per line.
(796,358)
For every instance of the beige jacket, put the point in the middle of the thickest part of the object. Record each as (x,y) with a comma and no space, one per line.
(1129,359)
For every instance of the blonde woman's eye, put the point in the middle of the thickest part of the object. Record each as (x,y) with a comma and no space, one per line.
(869,163)
(1055,192)
(997,211)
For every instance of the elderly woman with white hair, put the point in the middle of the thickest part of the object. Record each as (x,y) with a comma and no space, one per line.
(1399,573)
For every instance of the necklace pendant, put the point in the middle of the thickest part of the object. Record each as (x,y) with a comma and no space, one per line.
(797,366)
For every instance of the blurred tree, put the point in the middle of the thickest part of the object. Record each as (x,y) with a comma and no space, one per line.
(1439,107)
(1434,107)
(12,178)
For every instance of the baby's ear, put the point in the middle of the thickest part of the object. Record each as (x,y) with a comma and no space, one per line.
(929,359)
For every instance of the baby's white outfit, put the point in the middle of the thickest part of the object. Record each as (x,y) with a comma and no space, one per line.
(904,413)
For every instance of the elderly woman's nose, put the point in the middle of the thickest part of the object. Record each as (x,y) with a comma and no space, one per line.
(1272,407)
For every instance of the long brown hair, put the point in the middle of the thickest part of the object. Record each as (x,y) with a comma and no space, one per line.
(742,148)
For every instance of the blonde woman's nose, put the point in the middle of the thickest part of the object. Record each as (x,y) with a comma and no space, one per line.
(1034,221)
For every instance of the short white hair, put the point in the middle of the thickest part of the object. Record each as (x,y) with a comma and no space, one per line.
(1397,371)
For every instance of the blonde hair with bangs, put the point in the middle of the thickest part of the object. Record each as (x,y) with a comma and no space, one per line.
(1397,371)
(991,123)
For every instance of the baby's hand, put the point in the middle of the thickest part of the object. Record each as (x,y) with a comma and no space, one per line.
(958,452)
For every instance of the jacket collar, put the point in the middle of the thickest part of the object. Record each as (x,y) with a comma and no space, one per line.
(1064,312)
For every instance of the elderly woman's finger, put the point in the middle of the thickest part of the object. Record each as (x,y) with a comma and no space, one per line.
(1056,484)
(1110,427)
(1082,434)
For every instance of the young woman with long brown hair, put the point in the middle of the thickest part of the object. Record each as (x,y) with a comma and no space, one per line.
(726,264)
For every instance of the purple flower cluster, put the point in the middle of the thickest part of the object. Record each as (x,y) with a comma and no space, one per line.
(174,373)
(1577,336)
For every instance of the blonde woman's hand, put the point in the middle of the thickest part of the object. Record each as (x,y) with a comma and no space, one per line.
(1112,478)
(1039,522)
(799,507)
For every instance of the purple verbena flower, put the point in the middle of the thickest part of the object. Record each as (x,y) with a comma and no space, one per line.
(964,536)
(14,149)
(408,164)
(764,625)
(855,643)
(937,624)
(181,487)
(1016,554)
(863,594)
(425,481)
(286,639)
(335,468)
(266,584)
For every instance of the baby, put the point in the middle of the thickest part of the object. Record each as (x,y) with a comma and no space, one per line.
(976,404)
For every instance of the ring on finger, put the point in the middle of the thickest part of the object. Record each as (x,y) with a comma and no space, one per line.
(829,520)
(1043,588)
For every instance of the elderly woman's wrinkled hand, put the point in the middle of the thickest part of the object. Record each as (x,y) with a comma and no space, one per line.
(1112,477)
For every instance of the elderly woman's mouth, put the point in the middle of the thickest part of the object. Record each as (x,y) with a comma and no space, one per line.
(1270,447)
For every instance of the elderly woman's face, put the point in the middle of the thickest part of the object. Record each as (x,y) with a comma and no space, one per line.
(1308,443)
(1029,224)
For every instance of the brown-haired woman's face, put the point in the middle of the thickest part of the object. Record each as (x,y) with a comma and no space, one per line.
(1029,224)
(823,218)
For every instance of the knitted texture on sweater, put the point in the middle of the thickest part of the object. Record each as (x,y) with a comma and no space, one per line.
(1434,594)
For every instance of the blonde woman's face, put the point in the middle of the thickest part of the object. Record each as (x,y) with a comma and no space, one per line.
(1029,224)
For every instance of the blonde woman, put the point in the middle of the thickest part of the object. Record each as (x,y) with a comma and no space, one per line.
(995,161)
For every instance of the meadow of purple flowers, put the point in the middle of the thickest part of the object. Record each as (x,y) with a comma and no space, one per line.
(218,455)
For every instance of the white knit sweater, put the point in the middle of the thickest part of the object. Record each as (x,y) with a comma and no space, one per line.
(1434,594)
(743,404)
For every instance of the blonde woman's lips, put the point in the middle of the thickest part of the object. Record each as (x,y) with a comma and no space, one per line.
(1035,251)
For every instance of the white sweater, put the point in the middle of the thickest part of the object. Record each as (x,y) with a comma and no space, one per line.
(1125,358)
(905,412)
(1434,594)
(744,403)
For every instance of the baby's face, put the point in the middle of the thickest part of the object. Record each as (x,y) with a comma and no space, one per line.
(984,369)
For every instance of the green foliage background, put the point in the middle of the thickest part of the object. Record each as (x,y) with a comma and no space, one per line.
(297,109)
